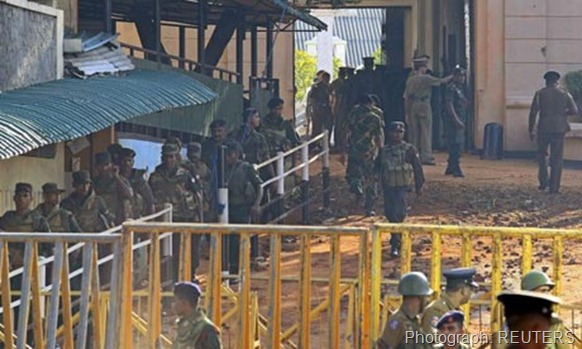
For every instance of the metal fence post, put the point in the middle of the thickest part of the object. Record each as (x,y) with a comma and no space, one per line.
(325,171)
(42,280)
(305,182)
(222,197)
(280,184)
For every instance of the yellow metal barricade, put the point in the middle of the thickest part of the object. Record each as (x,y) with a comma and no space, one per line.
(412,233)
(249,320)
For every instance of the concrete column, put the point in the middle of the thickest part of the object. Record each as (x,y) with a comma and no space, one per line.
(325,42)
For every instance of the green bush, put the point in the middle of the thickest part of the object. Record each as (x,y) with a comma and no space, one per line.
(573,81)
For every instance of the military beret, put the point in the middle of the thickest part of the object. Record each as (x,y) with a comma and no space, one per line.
(102,158)
(552,75)
(127,152)
(460,276)
(81,177)
(170,149)
(451,317)
(51,188)
(275,102)
(188,290)
(396,126)
(23,187)
(527,302)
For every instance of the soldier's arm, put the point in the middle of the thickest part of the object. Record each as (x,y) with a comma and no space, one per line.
(392,336)
(533,112)
(379,138)
(257,184)
(414,160)
(209,339)
(73,224)
(104,212)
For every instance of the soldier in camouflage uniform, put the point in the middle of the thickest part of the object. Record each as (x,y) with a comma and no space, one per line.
(172,183)
(194,329)
(459,289)
(399,169)
(244,198)
(365,133)
(143,203)
(414,289)
(279,132)
(202,175)
(60,220)
(115,190)
(88,208)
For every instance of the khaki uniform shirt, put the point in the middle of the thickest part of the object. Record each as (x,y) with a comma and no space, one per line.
(554,105)
(435,311)
(418,93)
(399,326)
(197,332)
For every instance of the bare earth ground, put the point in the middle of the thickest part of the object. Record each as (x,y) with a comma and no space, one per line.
(494,193)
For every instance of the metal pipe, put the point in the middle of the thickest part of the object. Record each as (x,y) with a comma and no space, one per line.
(202,35)
(254,52)
(305,183)
(158,29)
(182,46)
(240,37)
(107,23)
(269,67)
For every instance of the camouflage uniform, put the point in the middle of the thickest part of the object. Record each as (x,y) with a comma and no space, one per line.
(89,211)
(143,199)
(365,127)
(117,193)
(29,221)
(59,220)
(177,187)
(197,332)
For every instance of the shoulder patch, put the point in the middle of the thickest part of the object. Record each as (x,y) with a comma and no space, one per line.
(394,324)
(434,321)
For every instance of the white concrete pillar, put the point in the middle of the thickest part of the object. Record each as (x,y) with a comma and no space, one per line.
(325,42)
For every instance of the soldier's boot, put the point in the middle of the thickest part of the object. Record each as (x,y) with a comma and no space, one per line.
(369,206)
(395,240)
(457,172)
(449,171)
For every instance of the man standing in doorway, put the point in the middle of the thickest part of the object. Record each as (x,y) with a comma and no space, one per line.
(554,106)
(417,96)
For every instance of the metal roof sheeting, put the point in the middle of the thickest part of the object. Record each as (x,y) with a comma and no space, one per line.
(66,109)
(360,28)
(104,60)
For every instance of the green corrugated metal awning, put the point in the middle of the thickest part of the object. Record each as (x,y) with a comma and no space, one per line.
(66,109)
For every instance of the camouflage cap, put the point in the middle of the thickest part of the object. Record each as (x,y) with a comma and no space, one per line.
(102,158)
(52,188)
(23,188)
(170,149)
(81,177)
(174,140)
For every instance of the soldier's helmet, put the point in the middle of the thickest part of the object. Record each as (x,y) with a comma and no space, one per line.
(535,279)
(414,284)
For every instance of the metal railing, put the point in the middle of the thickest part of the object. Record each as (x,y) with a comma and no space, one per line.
(468,235)
(355,333)
(184,63)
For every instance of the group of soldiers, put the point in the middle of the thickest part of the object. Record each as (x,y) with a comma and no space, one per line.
(527,310)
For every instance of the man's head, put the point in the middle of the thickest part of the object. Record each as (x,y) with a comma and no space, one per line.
(186,296)
(460,283)
(325,77)
(375,100)
(276,106)
(194,151)
(127,158)
(232,152)
(350,72)
(459,75)
(365,100)
(114,150)
(368,63)
(421,63)
(23,196)
(52,194)
(552,77)
(451,326)
(414,288)
(170,155)
(396,131)
(218,130)
(252,118)
(82,182)
(103,162)
(537,281)
(530,314)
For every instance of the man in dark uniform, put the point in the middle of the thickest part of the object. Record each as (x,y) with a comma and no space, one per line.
(450,326)
(337,92)
(201,173)
(529,314)
(172,183)
(115,190)
(195,330)
(399,168)
(414,288)
(459,289)
(219,134)
(244,199)
(319,95)
(554,106)
(143,203)
(456,105)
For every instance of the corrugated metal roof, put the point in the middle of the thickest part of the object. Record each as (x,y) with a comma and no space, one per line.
(104,60)
(304,17)
(360,28)
(66,109)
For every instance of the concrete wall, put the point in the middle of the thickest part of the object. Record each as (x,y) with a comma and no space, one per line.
(31,44)
(282,55)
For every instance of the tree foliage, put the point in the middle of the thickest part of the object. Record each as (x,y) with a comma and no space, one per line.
(573,82)
(377,55)
(305,70)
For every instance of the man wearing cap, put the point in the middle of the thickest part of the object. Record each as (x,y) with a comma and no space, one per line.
(210,147)
(450,326)
(414,289)
(554,106)
(322,117)
(399,168)
(143,202)
(529,317)
(365,82)
(59,219)
(456,105)
(115,190)
(201,173)
(365,137)
(417,97)
(337,92)
(89,209)
(194,329)
(172,183)
(459,289)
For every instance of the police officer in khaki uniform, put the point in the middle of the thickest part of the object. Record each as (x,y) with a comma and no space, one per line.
(417,97)
(554,106)
(450,326)
(529,314)
(194,329)
(459,289)
(414,289)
